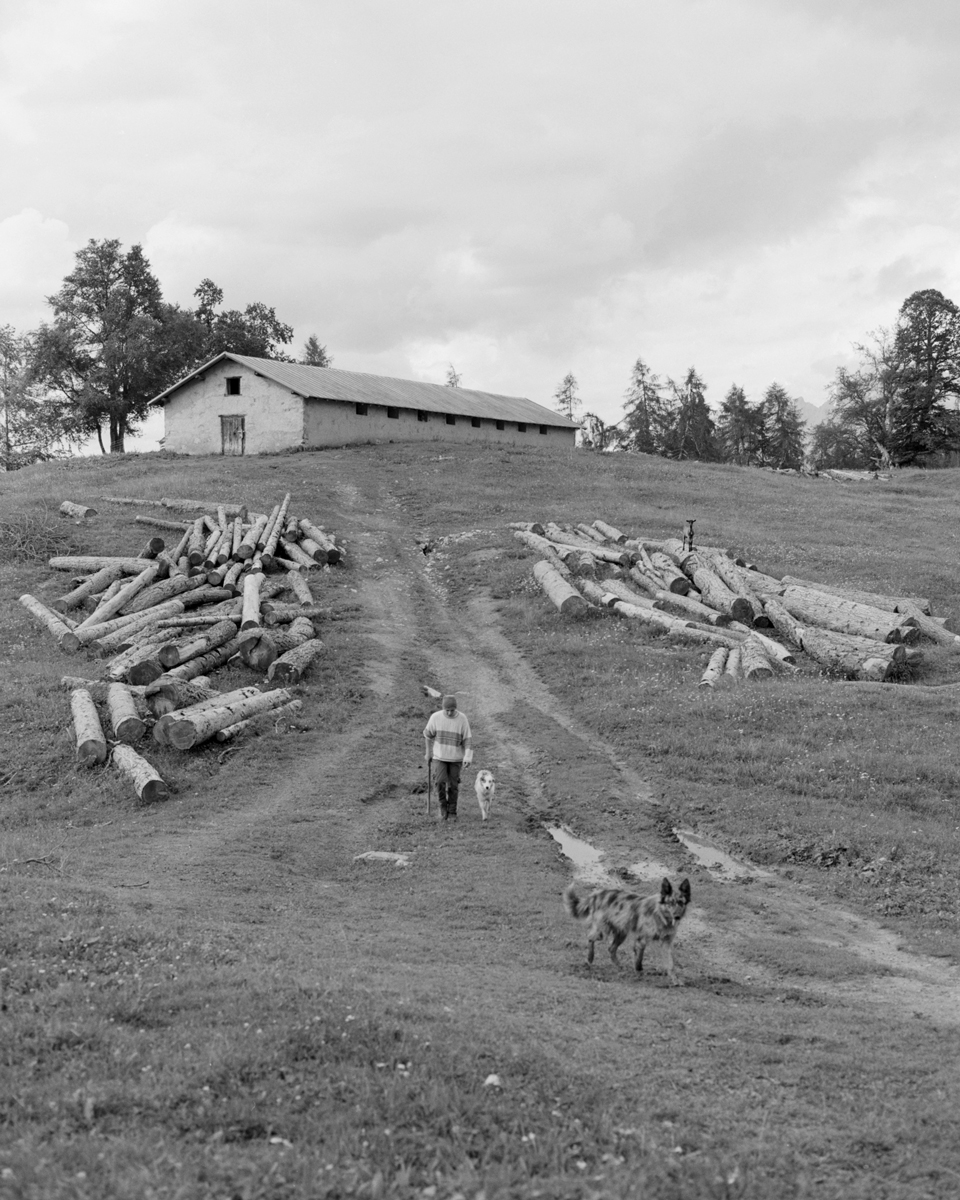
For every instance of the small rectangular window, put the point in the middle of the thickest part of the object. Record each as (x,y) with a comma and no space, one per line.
(361,410)
(543,429)
(521,427)
(451,420)
(393,413)
(233,385)
(501,424)
(475,422)
(421,415)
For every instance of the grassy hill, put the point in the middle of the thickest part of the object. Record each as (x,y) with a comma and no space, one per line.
(215,997)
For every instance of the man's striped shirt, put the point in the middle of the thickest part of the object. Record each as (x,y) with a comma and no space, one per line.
(450,736)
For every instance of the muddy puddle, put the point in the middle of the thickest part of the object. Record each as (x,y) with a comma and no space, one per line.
(588,861)
(715,860)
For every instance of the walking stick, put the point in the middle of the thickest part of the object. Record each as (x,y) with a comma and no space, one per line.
(429,783)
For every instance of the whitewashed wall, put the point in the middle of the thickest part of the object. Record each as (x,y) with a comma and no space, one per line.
(273,416)
(337,423)
(276,419)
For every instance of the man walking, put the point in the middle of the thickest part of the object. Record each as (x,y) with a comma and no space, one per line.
(447,741)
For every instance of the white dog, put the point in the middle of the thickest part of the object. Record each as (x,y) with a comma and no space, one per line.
(485,787)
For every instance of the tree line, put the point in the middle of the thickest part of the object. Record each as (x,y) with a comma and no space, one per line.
(897,407)
(112,344)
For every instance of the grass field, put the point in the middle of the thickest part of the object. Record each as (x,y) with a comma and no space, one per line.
(249,1044)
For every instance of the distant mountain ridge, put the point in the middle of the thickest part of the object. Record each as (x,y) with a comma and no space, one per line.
(813,414)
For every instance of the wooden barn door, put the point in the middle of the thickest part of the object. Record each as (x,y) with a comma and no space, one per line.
(232,435)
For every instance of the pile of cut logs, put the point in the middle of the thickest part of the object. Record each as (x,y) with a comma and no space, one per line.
(757,622)
(233,588)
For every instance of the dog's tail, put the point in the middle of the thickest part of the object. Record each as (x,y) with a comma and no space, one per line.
(572,903)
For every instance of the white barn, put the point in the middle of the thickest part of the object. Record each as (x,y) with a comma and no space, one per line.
(235,404)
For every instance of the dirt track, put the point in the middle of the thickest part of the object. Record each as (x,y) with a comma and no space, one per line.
(475,920)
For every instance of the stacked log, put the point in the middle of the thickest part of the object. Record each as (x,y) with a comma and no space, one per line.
(711,594)
(561,593)
(847,616)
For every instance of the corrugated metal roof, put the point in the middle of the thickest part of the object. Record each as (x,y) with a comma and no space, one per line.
(330,383)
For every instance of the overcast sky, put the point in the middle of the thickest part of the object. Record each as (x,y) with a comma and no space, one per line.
(522,188)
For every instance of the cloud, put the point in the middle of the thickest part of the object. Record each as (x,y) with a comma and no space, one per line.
(522,190)
(35,253)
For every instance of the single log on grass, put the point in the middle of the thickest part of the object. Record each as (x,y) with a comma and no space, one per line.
(102,634)
(152,548)
(684,605)
(324,540)
(872,599)
(562,594)
(206,663)
(754,661)
(733,668)
(293,552)
(649,616)
(139,664)
(674,580)
(595,593)
(126,722)
(202,724)
(251,601)
(91,744)
(545,547)
(110,608)
(164,589)
(77,511)
(289,667)
(588,531)
(784,623)
(248,543)
(861,658)
(276,613)
(166,694)
(81,563)
(846,616)
(621,557)
(928,626)
(65,636)
(174,653)
(623,591)
(258,648)
(714,668)
(301,589)
(147,782)
(189,710)
(717,595)
(160,523)
(273,717)
(196,542)
(98,582)
(610,532)
(732,575)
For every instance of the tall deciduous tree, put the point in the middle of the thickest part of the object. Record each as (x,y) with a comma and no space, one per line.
(256,331)
(33,427)
(567,400)
(102,352)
